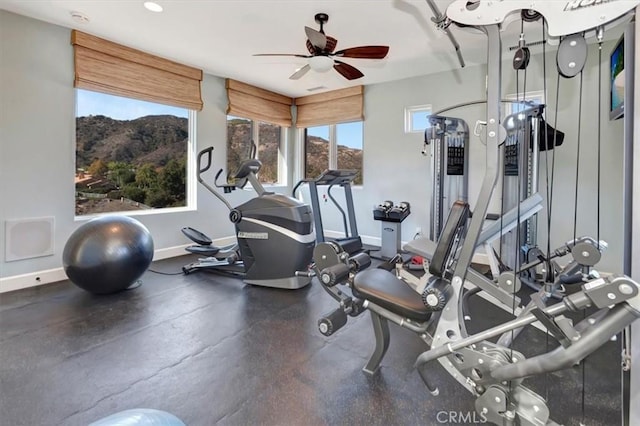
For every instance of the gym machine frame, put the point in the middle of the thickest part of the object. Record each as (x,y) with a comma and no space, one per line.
(448,138)
(330,178)
(493,373)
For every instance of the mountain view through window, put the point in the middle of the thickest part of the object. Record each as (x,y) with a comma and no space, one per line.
(130,155)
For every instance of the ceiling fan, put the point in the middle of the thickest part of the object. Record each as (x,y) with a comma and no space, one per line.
(321,48)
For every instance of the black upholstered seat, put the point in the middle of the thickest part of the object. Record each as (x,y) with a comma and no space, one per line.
(386,290)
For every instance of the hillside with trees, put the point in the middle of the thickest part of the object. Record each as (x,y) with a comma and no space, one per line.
(141,161)
(318,158)
(239,147)
(140,164)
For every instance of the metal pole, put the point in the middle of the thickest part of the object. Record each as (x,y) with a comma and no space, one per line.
(631,379)
(495,135)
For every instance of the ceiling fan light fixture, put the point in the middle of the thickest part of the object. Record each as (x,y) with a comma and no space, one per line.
(321,63)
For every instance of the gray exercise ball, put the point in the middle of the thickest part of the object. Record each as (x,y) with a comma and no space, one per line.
(107,254)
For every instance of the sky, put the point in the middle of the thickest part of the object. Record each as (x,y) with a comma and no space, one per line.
(348,134)
(119,108)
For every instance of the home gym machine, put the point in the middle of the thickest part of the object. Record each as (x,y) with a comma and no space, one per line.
(274,232)
(494,373)
(526,132)
(527,136)
(448,139)
(351,241)
(446,142)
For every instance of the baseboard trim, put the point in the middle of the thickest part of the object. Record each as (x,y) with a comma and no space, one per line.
(366,239)
(34,279)
(169,252)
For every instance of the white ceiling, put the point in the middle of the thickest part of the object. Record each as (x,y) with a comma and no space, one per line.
(220,36)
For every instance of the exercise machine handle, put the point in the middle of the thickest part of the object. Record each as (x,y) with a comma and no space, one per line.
(201,154)
(476,130)
(205,156)
(295,188)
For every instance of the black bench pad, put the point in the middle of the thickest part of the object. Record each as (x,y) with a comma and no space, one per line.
(388,291)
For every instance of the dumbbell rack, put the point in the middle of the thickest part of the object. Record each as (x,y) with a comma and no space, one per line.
(390,218)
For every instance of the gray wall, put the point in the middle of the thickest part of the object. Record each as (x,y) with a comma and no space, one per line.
(37,149)
(37,160)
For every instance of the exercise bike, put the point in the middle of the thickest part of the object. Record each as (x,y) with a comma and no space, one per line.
(275,236)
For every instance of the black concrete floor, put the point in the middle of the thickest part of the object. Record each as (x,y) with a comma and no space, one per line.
(214,351)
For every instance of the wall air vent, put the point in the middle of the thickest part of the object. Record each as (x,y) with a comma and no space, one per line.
(313,89)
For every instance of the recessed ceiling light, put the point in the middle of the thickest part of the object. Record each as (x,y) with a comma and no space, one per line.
(79,17)
(153,6)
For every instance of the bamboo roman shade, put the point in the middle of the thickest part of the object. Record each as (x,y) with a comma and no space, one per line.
(338,106)
(247,101)
(108,67)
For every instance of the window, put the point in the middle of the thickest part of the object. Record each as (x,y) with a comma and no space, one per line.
(336,146)
(130,154)
(268,140)
(316,148)
(534,97)
(416,118)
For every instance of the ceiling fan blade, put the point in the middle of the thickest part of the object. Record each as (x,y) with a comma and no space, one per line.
(330,47)
(310,47)
(347,71)
(364,52)
(316,38)
(331,44)
(300,72)
(282,54)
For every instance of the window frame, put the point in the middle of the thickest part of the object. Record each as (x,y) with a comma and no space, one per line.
(333,148)
(282,151)
(408,116)
(534,95)
(190,164)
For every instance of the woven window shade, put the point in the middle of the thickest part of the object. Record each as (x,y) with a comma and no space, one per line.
(108,67)
(251,102)
(338,106)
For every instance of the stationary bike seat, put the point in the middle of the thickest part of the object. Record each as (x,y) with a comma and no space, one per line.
(196,236)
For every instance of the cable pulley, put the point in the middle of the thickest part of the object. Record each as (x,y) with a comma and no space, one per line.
(522,55)
(572,55)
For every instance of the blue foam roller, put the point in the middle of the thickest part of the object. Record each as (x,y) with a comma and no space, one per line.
(140,417)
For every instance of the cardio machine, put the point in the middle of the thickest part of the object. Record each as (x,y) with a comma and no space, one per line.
(351,242)
(275,237)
